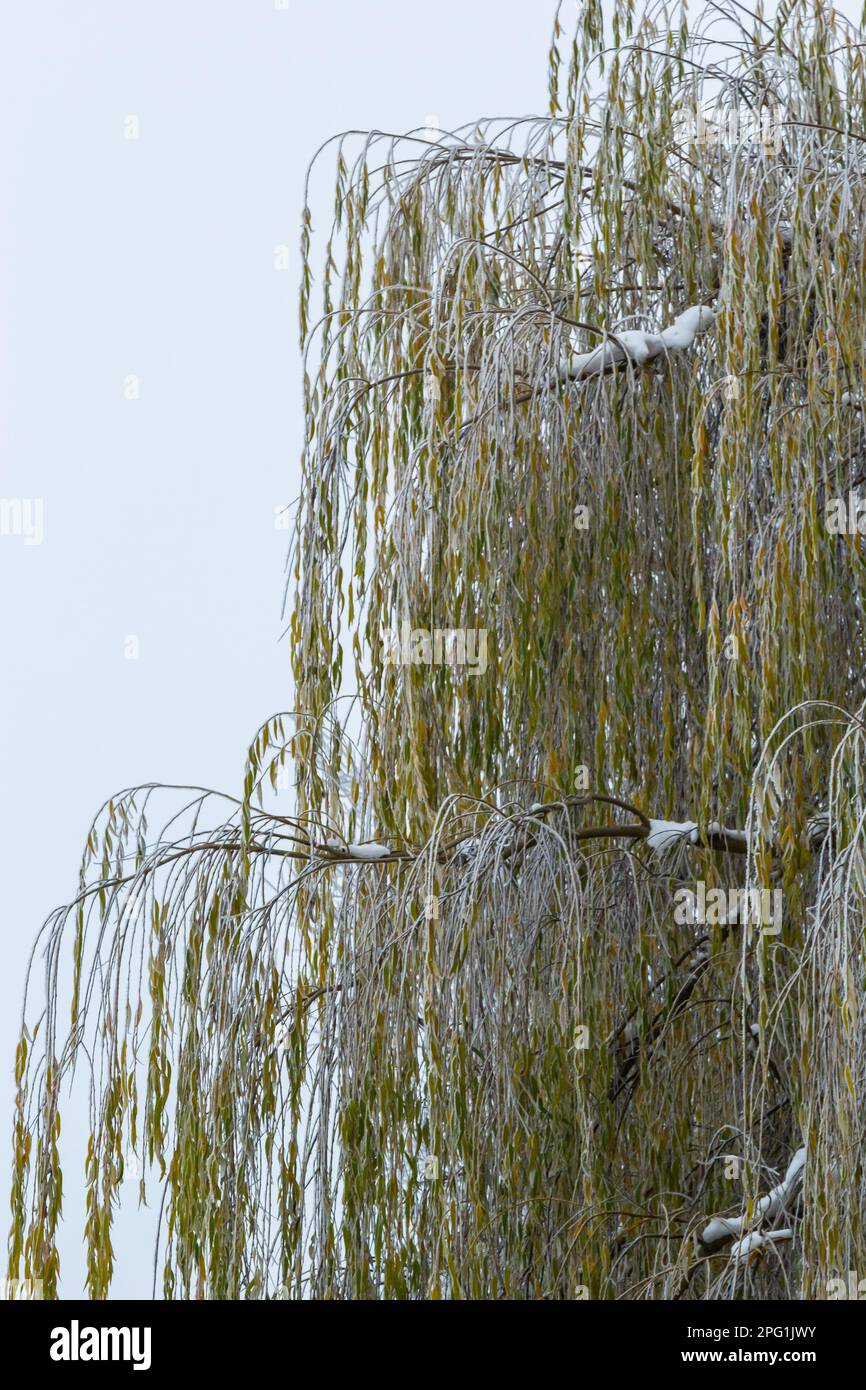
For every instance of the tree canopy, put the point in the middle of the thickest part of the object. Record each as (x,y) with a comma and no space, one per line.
(577,609)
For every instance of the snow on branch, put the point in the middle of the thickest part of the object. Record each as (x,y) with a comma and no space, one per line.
(755,1233)
(638,348)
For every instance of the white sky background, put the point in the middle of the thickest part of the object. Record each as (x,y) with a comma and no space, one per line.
(155,257)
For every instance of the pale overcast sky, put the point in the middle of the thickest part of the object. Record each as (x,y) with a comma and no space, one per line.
(154,258)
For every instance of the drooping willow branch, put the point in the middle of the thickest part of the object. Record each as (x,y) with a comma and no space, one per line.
(442,1030)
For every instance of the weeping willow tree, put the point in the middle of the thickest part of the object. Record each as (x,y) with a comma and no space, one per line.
(577,634)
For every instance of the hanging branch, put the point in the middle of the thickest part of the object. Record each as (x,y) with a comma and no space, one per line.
(435,1006)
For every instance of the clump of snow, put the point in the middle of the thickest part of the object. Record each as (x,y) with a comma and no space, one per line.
(795,1168)
(756,1240)
(686,327)
(663,834)
(368,851)
(714,828)
(638,346)
(720,1228)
